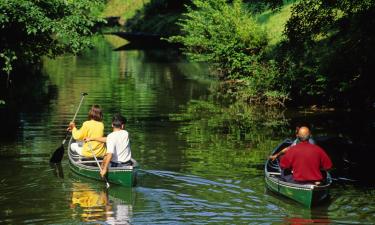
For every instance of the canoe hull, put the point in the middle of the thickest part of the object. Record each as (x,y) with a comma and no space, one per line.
(124,176)
(306,194)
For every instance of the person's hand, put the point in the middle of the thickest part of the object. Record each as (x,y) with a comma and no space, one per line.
(103,172)
(273,157)
(71,126)
(87,139)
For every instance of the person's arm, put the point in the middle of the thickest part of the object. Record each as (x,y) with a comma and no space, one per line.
(325,161)
(78,134)
(282,152)
(105,163)
(108,157)
(100,139)
(285,162)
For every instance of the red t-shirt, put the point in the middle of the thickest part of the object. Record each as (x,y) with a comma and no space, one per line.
(306,160)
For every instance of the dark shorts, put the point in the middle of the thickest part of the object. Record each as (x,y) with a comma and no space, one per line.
(128,163)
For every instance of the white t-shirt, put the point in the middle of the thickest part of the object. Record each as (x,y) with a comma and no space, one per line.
(118,144)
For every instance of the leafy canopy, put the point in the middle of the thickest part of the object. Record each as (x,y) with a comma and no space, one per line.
(30,29)
(330,47)
(228,37)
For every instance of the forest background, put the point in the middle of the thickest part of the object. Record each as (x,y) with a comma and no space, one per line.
(308,52)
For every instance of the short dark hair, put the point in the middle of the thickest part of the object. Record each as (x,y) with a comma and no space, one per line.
(95,113)
(118,120)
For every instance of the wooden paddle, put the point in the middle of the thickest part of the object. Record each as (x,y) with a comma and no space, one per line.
(100,168)
(59,152)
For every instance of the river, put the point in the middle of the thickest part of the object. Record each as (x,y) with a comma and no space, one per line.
(200,164)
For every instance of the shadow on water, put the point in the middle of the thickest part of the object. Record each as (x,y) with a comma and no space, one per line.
(30,92)
(352,162)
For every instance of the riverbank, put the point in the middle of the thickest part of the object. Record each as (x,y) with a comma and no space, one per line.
(279,58)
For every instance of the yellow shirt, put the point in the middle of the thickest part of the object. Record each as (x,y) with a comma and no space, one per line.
(91,129)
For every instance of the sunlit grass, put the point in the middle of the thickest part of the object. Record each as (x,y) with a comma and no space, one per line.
(274,23)
(115,41)
(125,9)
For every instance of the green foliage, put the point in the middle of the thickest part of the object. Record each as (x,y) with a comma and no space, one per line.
(218,32)
(260,88)
(30,29)
(330,50)
(228,36)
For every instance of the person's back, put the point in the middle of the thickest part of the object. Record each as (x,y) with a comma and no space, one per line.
(306,161)
(92,128)
(118,144)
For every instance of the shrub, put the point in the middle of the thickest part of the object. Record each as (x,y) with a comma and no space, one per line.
(228,37)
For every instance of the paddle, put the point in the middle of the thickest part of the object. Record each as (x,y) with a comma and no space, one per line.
(100,168)
(59,152)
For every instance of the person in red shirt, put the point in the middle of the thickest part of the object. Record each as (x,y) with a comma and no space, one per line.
(305,160)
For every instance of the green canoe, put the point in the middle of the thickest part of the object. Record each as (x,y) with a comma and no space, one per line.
(306,194)
(125,175)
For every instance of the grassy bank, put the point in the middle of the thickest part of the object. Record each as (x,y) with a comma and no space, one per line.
(125,9)
(274,23)
(149,16)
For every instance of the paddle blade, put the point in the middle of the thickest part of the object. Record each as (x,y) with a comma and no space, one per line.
(107,185)
(57,155)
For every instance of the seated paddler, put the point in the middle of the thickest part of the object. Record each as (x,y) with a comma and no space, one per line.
(92,128)
(118,145)
(305,161)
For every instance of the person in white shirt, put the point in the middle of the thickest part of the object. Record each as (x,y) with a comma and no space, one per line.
(118,145)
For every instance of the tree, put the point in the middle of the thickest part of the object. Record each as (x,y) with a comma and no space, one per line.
(331,50)
(228,36)
(30,29)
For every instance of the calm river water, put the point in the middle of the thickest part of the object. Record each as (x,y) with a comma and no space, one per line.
(198,165)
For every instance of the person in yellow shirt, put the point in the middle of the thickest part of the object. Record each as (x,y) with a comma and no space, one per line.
(92,128)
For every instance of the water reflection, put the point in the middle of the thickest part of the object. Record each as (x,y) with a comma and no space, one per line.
(203,162)
(227,139)
(303,221)
(113,206)
(89,204)
(27,101)
(57,170)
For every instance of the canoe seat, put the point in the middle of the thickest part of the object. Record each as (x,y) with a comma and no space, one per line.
(90,162)
(80,158)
